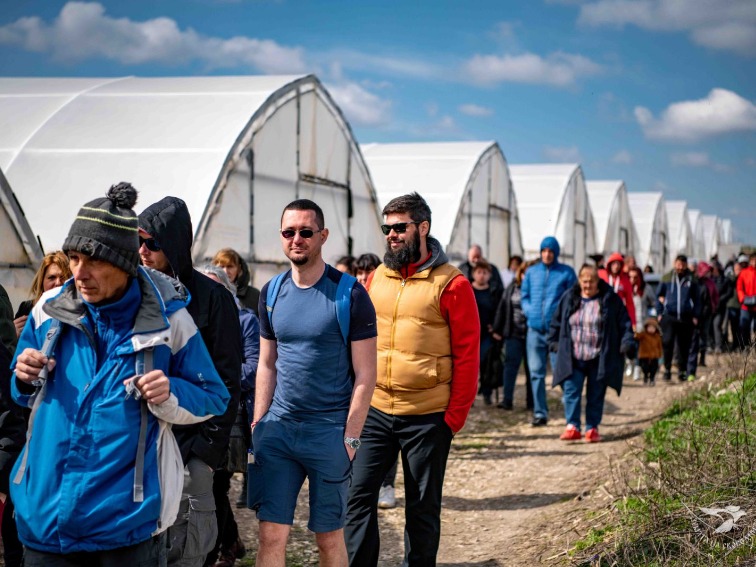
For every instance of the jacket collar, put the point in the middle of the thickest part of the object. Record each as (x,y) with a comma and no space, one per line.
(437,258)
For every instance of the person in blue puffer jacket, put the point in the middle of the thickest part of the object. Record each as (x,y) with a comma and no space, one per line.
(542,287)
(100,478)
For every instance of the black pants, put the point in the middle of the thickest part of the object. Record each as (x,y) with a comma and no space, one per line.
(424,442)
(152,552)
(650,367)
(13,551)
(680,333)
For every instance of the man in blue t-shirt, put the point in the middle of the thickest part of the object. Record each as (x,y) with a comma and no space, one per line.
(313,393)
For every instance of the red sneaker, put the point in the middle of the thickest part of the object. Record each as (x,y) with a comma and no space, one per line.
(572,433)
(592,435)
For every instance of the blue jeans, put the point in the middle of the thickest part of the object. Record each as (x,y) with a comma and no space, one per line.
(537,350)
(485,344)
(746,325)
(514,350)
(584,371)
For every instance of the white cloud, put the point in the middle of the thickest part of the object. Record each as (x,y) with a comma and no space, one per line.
(557,69)
(569,154)
(83,31)
(505,31)
(397,66)
(696,159)
(622,157)
(721,112)
(475,110)
(360,106)
(719,24)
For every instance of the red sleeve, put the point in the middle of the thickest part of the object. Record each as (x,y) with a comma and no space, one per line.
(460,311)
(628,290)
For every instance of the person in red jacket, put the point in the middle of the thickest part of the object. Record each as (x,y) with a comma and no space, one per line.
(746,287)
(616,277)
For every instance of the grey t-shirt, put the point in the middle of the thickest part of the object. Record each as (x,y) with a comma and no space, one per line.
(314,381)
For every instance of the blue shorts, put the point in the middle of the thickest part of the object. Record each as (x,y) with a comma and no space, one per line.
(287,451)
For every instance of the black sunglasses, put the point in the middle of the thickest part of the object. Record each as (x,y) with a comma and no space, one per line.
(150,243)
(289,233)
(399,228)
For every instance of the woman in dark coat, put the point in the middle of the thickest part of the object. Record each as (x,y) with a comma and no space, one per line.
(511,325)
(590,332)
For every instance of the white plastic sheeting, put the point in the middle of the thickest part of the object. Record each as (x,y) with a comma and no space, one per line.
(236,149)
(20,252)
(650,217)
(615,230)
(467,187)
(725,234)
(697,229)
(712,234)
(680,234)
(552,201)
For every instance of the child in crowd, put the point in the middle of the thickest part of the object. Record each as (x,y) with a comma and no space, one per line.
(649,350)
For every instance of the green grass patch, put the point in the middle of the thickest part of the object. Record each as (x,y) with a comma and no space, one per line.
(701,454)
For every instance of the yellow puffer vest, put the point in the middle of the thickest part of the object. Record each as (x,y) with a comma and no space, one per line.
(414,342)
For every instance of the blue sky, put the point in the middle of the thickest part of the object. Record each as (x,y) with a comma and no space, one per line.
(659,93)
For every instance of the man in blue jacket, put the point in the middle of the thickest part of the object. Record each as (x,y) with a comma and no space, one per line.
(678,304)
(100,478)
(543,286)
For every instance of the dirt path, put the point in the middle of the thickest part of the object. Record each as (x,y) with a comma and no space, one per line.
(514,494)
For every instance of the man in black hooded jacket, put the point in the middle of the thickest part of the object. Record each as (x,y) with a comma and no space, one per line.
(165,231)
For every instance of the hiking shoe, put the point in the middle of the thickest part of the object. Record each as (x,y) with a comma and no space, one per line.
(667,376)
(636,373)
(487,400)
(691,377)
(539,421)
(387,497)
(571,433)
(505,405)
(592,435)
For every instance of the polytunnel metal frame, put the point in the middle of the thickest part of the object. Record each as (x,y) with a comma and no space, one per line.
(242,150)
(679,209)
(657,199)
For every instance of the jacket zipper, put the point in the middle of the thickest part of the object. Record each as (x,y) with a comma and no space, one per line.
(391,347)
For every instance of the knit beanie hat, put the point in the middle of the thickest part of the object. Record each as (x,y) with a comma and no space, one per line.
(107,229)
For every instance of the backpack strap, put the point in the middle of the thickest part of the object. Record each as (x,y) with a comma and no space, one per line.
(144,364)
(48,348)
(344,304)
(274,286)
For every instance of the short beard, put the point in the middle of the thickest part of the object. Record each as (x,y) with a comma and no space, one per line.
(409,254)
(299,261)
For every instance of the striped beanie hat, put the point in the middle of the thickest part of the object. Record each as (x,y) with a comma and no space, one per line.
(108,229)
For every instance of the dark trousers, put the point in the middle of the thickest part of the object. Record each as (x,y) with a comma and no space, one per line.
(391,474)
(733,316)
(228,531)
(649,366)
(747,319)
(152,552)
(13,550)
(424,442)
(719,327)
(514,356)
(676,333)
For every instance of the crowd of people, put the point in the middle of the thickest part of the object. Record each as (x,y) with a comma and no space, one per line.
(134,385)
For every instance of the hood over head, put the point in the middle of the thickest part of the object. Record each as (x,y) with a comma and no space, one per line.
(651,321)
(702,269)
(168,221)
(616,257)
(552,244)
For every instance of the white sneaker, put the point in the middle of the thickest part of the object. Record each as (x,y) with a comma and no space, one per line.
(386,497)
(628,370)
(637,373)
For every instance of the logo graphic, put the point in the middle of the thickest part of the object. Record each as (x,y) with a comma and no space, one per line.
(728,523)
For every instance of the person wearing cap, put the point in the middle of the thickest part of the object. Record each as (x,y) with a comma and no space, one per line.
(542,287)
(746,288)
(99,479)
(165,231)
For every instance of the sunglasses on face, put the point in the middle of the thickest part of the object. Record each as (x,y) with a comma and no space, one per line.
(150,243)
(290,233)
(399,228)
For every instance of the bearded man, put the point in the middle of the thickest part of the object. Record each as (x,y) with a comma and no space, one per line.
(428,358)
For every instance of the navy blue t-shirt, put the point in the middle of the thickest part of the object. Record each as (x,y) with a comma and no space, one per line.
(313,377)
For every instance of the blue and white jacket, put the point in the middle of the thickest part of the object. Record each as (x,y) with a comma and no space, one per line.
(77,491)
(543,286)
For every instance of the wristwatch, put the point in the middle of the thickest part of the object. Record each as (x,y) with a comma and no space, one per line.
(352,442)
